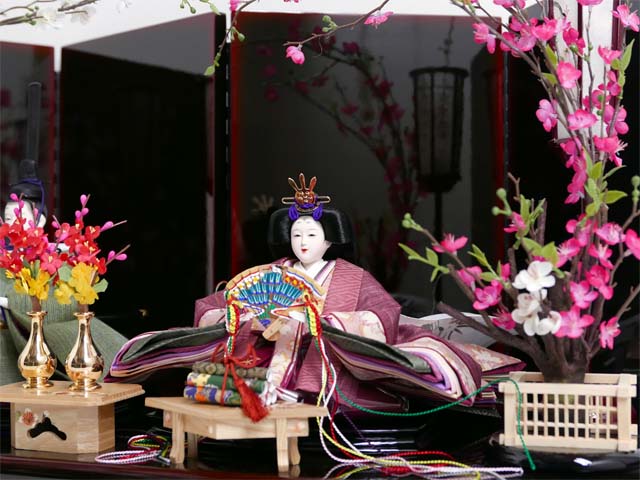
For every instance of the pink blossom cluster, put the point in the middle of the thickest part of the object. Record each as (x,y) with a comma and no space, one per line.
(563,288)
(532,310)
(324,40)
(599,107)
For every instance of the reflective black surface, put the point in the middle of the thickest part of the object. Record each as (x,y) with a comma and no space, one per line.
(465,436)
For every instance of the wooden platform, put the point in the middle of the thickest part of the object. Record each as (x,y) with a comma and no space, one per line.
(285,422)
(59,420)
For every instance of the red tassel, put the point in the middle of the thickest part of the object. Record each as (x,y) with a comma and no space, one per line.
(252,405)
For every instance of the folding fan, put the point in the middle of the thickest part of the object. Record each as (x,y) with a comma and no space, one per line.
(267,291)
(271,290)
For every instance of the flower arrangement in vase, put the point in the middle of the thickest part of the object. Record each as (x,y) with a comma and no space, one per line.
(547,299)
(29,260)
(69,267)
(79,278)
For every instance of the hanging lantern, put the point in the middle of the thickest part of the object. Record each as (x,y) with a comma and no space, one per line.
(439,112)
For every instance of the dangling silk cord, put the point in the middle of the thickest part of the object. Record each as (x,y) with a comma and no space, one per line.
(412,453)
(149,447)
(392,462)
(252,405)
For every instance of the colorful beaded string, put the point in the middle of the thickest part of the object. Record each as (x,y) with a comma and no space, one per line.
(149,447)
(393,462)
(232,321)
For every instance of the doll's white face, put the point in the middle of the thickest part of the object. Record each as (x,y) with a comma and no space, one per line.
(27,213)
(307,241)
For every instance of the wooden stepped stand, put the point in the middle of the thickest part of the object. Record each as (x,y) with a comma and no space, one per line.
(59,420)
(285,422)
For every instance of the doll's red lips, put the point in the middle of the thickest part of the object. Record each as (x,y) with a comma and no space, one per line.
(304,250)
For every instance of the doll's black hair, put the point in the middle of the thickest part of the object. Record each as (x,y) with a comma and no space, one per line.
(30,188)
(337,230)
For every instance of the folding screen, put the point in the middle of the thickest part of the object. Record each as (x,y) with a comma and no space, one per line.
(139,133)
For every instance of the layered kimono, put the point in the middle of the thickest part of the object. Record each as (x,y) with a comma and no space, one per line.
(378,361)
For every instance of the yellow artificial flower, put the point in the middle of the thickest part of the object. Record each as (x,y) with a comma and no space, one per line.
(86,296)
(81,276)
(21,285)
(63,293)
(39,286)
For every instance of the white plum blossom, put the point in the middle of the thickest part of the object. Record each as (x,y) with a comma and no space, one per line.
(83,16)
(528,308)
(123,5)
(527,314)
(542,326)
(28,418)
(527,321)
(535,277)
(51,18)
(528,304)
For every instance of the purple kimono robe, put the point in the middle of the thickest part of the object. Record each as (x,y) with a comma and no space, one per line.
(355,302)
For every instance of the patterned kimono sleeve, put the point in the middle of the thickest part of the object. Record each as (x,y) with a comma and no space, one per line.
(375,299)
(209,310)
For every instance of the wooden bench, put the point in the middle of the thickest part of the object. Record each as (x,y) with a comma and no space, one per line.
(285,422)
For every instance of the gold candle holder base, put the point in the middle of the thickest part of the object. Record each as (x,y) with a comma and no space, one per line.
(37,382)
(86,385)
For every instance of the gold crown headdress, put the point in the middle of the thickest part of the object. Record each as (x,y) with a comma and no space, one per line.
(305,201)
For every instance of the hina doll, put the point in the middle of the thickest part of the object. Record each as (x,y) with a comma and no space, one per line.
(312,239)
(378,361)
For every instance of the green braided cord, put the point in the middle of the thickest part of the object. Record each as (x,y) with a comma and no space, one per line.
(448,405)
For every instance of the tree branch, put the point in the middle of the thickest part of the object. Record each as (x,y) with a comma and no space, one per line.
(357,21)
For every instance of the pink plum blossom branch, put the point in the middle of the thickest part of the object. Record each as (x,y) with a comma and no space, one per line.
(530,348)
(526,56)
(625,306)
(229,34)
(331,31)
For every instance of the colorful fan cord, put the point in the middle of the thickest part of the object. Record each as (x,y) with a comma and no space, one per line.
(395,464)
(147,447)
